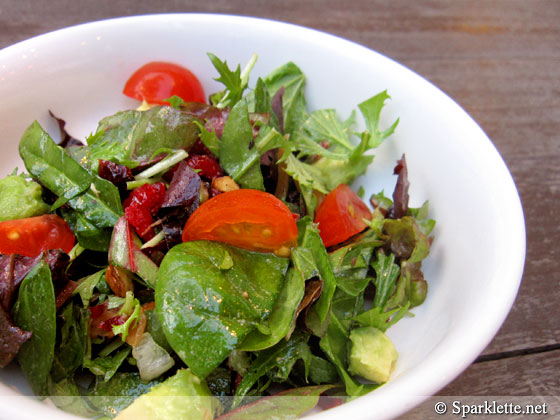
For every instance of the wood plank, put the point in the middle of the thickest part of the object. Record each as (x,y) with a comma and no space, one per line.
(531,374)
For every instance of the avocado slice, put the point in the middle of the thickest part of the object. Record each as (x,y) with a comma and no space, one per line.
(183,396)
(372,354)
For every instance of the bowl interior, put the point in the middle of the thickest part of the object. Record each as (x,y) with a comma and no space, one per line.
(477,257)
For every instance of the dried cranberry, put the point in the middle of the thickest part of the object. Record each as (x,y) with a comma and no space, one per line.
(207,166)
(108,324)
(97,310)
(117,174)
(141,219)
(148,196)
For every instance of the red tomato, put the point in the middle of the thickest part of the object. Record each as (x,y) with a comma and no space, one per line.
(340,215)
(156,81)
(249,219)
(31,236)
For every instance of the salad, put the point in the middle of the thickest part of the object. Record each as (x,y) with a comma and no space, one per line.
(212,253)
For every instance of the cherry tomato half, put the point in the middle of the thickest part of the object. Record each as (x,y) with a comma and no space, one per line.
(31,236)
(341,215)
(249,219)
(156,81)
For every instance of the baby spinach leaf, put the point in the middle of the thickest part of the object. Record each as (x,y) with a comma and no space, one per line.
(51,165)
(132,137)
(286,405)
(153,326)
(100,204)
(285,310)
(282,315)
(88,235)
(207,311)
(35,311)
(237,157)
(96,202)
(74,341)
(312,241)
(277,361)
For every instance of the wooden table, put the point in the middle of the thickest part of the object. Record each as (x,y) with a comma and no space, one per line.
(500,60)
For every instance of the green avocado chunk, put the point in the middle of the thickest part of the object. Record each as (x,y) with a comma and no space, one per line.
(181,397)
(372,354)
(20,198)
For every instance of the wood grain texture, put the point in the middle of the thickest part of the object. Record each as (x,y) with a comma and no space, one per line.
(499,59)
(531,374)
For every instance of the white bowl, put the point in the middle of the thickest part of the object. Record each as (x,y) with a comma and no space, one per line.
(477,258)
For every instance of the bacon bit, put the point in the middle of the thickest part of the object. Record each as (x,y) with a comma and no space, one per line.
(119,280)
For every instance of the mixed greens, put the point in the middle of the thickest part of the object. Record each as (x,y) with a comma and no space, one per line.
(134,308)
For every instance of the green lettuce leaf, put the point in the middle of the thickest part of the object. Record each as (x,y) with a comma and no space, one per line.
(132,138)
(277,362)
(371,110)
